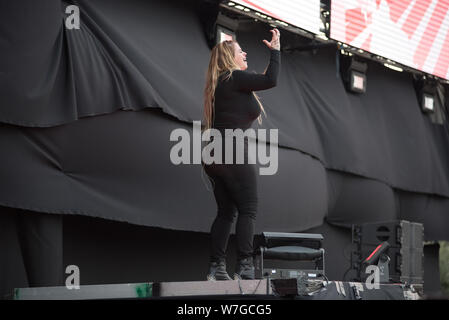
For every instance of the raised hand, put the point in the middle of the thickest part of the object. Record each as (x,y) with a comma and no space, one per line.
(275,40)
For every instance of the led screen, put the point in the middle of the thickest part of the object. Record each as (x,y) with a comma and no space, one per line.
(411,32)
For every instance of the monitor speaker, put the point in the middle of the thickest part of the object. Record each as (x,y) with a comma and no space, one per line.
(406,240)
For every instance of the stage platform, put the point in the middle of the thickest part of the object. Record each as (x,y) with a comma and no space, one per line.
(233,289)
(149,290)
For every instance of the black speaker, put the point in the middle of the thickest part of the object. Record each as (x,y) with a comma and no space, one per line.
(406,240)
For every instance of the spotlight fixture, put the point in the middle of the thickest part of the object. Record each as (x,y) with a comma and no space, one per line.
(226,28)
(217,27)
(426,91)
(427,102)
(224,34)
(374,257)
(380,258)
(393,67)
(353,73)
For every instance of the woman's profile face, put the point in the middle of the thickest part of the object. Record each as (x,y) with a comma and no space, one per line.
(240,57)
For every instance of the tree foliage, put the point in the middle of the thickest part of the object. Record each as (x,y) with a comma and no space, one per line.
(444,267)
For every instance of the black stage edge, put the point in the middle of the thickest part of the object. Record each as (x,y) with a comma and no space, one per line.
(263,289)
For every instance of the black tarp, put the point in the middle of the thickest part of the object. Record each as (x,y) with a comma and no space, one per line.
(86,116)
(31,250)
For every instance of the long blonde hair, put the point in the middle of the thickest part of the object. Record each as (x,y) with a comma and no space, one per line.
(221,60)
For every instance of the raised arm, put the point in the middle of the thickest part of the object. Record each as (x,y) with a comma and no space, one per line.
(247,81)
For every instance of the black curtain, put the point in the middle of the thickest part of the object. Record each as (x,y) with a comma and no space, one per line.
(98,136)
(31,250)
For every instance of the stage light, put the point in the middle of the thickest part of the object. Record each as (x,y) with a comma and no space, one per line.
(282,23)
(374,257)
(358,82)
(393,67)
(217,26)
(428,102)
(396,245)
(224,34)
(322,36)
(380,258)
(353,73)
(426,91)
(226,28)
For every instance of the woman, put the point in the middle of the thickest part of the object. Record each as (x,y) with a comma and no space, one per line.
(229,102)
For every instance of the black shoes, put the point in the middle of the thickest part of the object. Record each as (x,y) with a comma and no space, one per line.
(245,269)
(217,271)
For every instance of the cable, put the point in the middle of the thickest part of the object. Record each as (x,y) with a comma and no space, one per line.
(241,290)
(257,287)
(324,276)
(346,272)
(350,252)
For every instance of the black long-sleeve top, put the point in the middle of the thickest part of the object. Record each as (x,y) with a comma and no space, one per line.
(235,105)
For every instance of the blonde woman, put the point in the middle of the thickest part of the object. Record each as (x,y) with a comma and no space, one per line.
(230,103)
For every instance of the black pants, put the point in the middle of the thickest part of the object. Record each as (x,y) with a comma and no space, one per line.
(235,190)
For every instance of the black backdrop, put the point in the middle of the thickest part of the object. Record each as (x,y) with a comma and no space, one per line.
(86,116)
